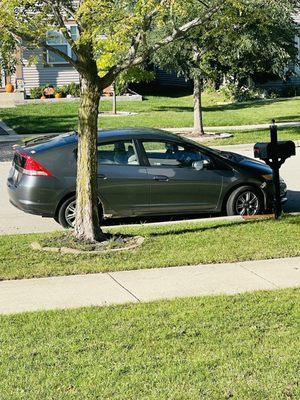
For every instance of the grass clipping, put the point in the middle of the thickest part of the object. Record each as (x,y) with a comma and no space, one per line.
(66,243)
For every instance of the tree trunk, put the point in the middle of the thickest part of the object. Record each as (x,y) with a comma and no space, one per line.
(198,117)
(114,101)
(87,226)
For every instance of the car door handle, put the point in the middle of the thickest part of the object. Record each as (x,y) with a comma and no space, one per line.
(101,176)
(161,178)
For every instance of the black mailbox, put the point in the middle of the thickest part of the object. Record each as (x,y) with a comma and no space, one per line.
(281,150)
(275,154)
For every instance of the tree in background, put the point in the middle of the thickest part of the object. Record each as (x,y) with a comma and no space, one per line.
(113,37)
(133,75)
(250,37)
(7,50)
(261,41)
(191,58)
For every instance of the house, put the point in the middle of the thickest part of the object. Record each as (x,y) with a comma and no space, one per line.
(43,67)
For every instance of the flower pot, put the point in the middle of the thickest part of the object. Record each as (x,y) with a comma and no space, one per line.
(58,95)
(9,88)
(43,97)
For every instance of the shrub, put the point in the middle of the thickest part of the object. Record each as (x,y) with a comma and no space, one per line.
(284,91)
(36,93)
(241,93)
(73,89)
(289,91)
(61,90)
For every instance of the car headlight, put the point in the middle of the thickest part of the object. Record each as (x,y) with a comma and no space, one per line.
(268,177)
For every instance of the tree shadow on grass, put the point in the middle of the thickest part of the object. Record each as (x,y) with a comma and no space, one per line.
(221,107)
(289,118)
(200,229)
(41,124)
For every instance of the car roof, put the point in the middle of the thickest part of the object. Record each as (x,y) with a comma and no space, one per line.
(137,133)
(48,142)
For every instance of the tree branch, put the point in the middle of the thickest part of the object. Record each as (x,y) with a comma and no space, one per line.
(148,18)
(59,53)
(178,33)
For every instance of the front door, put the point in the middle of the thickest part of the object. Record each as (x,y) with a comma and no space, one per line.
(182,179)
(123,184)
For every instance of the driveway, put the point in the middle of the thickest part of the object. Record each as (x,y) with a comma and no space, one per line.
(14,221)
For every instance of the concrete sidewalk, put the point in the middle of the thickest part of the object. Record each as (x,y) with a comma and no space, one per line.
(147,285)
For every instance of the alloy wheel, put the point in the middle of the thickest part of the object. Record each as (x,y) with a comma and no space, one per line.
(70,213)
(247,204)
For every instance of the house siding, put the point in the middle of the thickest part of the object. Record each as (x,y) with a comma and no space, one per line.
(170,79)
(40,74)
(294,81)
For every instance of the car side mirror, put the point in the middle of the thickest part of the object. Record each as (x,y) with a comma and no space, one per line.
(198,165)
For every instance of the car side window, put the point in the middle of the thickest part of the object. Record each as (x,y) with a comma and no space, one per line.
(117,153)
(171,154)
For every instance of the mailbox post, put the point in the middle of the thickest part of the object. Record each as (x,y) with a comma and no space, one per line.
(275,154)
(275,165)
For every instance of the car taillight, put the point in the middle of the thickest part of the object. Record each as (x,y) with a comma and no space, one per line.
(32,167)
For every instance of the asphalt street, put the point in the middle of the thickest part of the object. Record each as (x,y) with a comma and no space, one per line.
(13,220)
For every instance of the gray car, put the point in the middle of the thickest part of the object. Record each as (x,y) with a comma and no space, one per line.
(141,172)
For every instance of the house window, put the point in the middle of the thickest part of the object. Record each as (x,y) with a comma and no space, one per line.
(58,41)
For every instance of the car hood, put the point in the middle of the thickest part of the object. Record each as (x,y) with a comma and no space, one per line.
(247,163)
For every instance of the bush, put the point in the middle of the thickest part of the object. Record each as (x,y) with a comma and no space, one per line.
(37,93)
(290,91)
(63,90)
(241,93)
(73,89)
(283,91)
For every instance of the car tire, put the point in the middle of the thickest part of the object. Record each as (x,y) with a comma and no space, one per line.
(66,213)
(245,200)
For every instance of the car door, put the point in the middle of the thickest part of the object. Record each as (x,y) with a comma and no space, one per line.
(123,183)
(182,179)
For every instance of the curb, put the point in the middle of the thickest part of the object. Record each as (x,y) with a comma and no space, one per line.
(235,218)
(7,129)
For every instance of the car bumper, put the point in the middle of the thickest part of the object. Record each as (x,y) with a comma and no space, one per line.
(31,201)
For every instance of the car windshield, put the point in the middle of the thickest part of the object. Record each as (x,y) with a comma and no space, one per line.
(203,147)
(225,154)
(231,156)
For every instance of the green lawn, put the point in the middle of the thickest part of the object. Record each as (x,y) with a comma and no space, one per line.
(155,111)
(227,347)
(164,246)
(256,136)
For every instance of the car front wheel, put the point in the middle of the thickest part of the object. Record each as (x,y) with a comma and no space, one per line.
(245,200)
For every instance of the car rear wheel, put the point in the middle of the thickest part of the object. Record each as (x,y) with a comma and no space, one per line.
(245,200)
(67,213)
